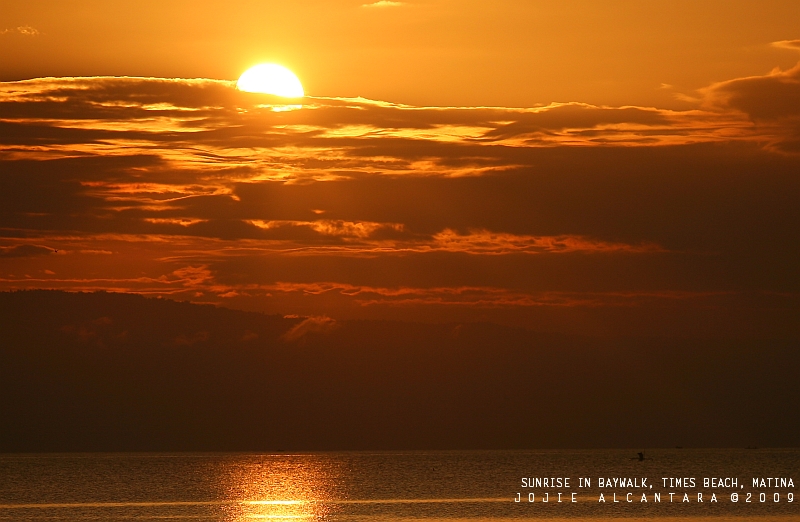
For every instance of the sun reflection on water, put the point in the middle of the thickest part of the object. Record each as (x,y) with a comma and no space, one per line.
(295,487)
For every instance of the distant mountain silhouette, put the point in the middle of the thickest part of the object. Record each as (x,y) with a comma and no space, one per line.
(113,372)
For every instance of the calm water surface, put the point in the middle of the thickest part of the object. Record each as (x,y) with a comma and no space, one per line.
(407,486)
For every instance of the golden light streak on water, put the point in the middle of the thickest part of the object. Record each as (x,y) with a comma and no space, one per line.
(295,488)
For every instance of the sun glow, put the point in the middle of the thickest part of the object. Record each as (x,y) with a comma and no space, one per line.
(269,78)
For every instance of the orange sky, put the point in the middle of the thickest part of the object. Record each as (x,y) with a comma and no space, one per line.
(447,52)
(642,177)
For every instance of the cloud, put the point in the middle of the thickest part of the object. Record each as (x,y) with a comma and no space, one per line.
(212,113)
(482,297)
(561,117)
(384,3)
(205,193)
(25,251)
(184,222)
(326,227)
(24,30)
(193,276)
(772,101)
(792,45)
(320,324)
(772,97)
(487,242)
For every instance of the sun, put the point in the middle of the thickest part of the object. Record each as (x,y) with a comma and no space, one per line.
(269,78)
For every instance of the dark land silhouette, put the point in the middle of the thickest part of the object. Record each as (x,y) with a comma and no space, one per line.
(120,372)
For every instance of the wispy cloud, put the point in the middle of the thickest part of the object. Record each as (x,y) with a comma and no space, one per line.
(24,30)
(487,242)
(792,45)
(384,3)
(318,324)
(489,297)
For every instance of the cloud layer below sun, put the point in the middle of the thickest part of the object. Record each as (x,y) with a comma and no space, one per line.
(568,216)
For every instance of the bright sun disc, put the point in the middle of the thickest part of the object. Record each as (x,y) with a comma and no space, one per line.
(269,78)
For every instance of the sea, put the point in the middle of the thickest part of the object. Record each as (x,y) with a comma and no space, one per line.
(666,484)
